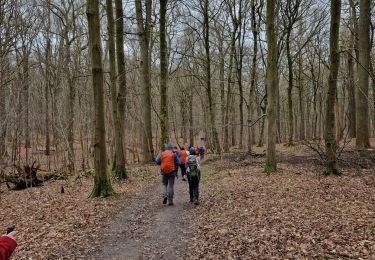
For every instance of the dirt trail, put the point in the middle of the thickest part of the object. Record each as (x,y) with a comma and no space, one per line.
(147,229)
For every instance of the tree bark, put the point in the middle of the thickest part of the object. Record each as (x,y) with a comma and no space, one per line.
(251,107)
(102,185)
(143,27)
(351,96)
(362,128)
(164,128)
(121,82)
(118,163)
(272,86)
(47,95)
(229,89)
(290,89)
(206,36)
(334,56)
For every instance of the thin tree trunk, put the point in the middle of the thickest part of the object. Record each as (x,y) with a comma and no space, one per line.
(190,112)
(301,101)
(164,128)
(251,106)
(229,92)
(272,86)
(290,89)
(70,105)
(351,94)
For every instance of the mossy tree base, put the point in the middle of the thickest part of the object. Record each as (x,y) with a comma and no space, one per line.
(331,169)
(118,171)
(269,168)
(102,190)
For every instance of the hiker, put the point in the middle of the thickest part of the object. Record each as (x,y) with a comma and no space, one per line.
(183,155)
(196,149)
(169,162)
(193,173)
(201,152)
(7,245)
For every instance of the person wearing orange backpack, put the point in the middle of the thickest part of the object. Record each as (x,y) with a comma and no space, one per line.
(183,155)
(169,162)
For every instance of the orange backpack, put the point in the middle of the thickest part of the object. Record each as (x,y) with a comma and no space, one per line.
(167,162)
(183,156)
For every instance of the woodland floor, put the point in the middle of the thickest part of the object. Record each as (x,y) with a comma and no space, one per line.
(244,213)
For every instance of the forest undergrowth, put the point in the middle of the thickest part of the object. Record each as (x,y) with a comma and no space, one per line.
(295,213)
(244,212)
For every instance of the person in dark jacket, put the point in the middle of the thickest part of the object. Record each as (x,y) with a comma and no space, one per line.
(7,245)
(193,172)
(169,162)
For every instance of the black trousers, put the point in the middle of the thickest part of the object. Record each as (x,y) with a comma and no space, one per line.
(194,188)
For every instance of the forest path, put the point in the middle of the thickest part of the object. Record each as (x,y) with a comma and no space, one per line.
(147,229)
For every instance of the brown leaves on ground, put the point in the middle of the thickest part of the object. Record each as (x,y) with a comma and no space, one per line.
(295,213)
(55,225)
(292,214)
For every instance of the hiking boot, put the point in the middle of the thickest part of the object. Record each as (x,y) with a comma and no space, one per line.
(165,200)
(170,203)
(183,178)
(191,200)
(196,202)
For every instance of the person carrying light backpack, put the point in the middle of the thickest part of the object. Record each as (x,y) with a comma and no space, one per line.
(169,162)
(193,173)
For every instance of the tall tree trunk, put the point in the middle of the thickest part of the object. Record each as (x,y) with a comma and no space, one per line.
(301,101)
(118,164)
(47,89)
(70,103)
(362,128)
(334,56)
(163,77)
(222,87)
(272,86)
(229,92)
(121,82)
(239,64)
(190,112)
(211,104)
(251,106)
(25,102)
(102,185)
(351,94)
(144,30)
(290,89)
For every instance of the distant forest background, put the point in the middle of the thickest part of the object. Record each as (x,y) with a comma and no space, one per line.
(196,75)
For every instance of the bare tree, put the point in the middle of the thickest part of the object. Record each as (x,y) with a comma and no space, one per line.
(164,128)
(272,85)
(334,56)
(102,185)
(144,34)
(362,127)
